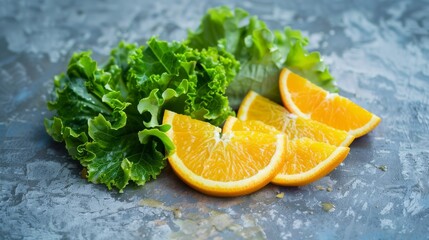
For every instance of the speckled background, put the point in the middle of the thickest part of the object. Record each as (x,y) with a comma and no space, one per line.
(377,50)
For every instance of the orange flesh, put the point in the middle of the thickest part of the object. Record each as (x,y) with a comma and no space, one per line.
(230,164)
(215,158)
(310,101)
(305,160)
(294,127)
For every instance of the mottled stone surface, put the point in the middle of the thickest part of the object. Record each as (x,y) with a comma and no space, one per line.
(377,50)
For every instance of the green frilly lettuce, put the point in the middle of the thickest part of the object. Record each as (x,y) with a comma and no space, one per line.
(110,118)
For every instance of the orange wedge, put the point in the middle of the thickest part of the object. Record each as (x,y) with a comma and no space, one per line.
(256,107)
(308,161)
(312,102)
(229,164)
(305,160)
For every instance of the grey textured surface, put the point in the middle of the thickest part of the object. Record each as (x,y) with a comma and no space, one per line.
(377,50)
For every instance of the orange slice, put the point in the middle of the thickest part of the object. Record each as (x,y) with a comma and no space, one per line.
(305,160)
(229,164)
(312,102)
(256,107)
(308,161)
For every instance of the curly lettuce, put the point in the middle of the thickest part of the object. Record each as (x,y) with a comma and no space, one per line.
(110,117)
(261,52)
(182,79)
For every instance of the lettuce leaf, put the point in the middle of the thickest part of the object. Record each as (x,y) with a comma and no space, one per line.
(110,117)
(175,77)
(261,52)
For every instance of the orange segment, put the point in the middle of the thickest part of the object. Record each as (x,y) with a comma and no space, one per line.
(305,160)
(312,102)
(256,107)
(183,123)
(308,161)
(229,164)
(235,124)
